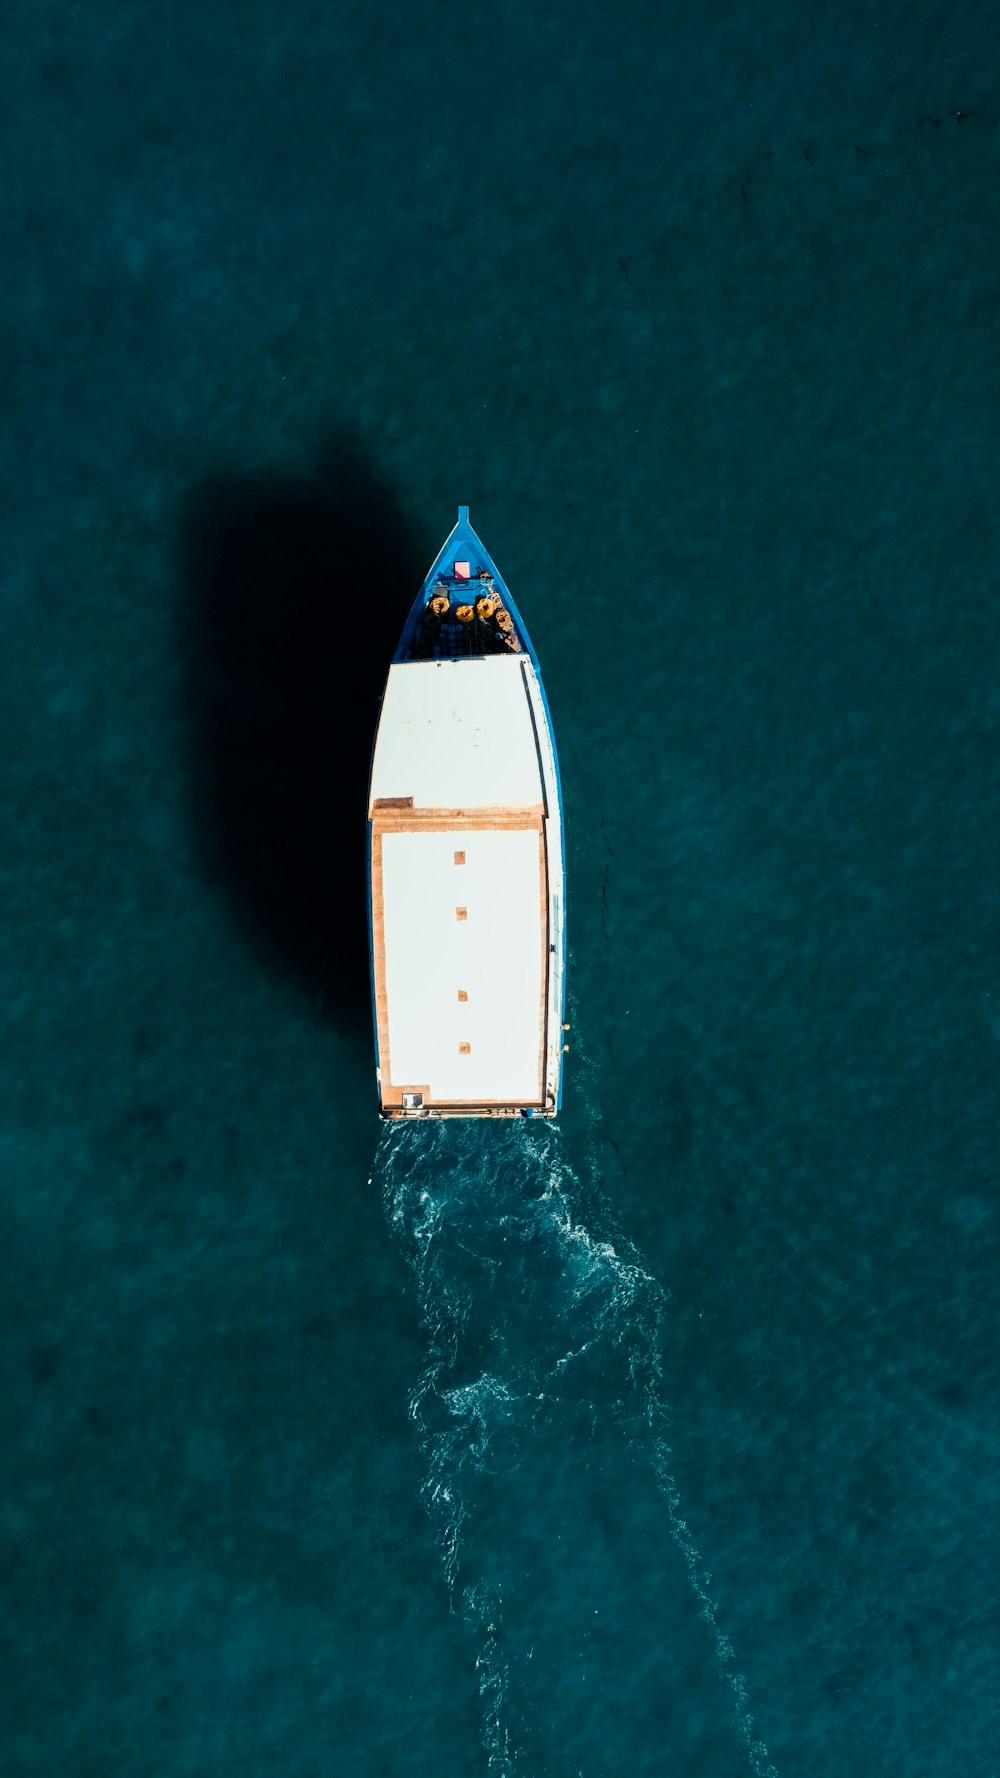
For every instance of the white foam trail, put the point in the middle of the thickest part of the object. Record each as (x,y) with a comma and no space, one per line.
(458,1223)
(416,1200)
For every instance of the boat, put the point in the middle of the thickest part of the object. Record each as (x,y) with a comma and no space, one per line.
(466,858)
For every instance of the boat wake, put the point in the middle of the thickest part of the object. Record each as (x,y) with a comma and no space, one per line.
(549,1481)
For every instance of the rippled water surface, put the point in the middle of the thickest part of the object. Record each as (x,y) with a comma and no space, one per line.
(541,1417)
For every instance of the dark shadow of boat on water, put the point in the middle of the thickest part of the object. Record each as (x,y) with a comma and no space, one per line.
(293,593)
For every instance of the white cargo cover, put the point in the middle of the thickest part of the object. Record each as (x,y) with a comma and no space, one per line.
(485,1047)
(458,735)
(466,890)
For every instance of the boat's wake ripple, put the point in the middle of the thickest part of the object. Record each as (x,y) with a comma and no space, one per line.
(548,1468)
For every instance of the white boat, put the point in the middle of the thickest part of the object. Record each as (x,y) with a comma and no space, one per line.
(466,858)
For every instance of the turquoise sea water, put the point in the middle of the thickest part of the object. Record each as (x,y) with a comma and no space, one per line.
(665,1442)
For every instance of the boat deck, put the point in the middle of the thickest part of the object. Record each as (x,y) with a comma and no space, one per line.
(464,618)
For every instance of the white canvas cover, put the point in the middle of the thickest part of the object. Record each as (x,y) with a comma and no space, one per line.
(465,963)
(457,735)
(466,889)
